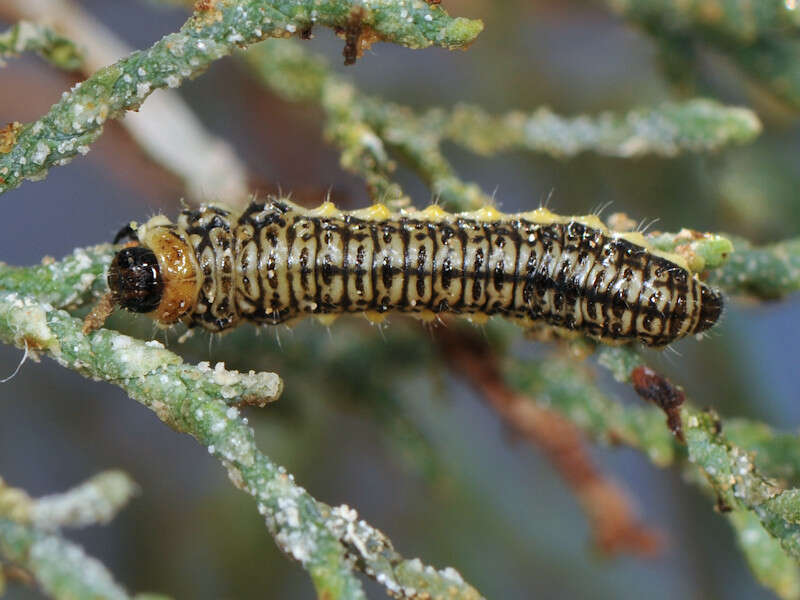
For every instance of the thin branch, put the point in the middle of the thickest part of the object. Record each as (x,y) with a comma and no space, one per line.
(767,272)
(776,453)
(615,527)
(73,281)
(25,36)
(214,31)
(96,501)
(165,127)
(61,568)
(760,37)
(727,469)
(740,20)
(740,487)
(699,125)
(365,128)
(329,542)
(29,540)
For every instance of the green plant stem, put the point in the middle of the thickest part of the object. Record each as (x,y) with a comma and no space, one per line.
(61,568)
(365,128)
(71,125)
(95,501)
(328,541)
(698,125)
(71,282)
(29,535)
(740,487)
(760,37)
(25,36)
(740,20)
(767,272)
(726,470)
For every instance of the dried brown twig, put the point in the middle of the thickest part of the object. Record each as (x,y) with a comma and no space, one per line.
(615,527)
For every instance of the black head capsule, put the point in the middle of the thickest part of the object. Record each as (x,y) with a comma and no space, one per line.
(134,279)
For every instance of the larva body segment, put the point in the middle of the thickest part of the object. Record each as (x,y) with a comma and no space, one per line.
(277,261)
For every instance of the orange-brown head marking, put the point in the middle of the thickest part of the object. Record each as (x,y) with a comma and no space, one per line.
(159,276)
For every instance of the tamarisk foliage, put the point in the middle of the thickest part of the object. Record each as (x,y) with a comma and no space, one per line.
(214,31)
(29,536)
(369,130)
(746,467)
(201,401)
(31,37)
(762,38)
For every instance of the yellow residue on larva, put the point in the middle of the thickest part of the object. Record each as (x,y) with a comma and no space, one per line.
(326,209)
(540,215)
(592,221)
(427,316)
(634,237)
(477,318)
(374,317)
(327,319)
(435,213)
(487,214)
(376,212)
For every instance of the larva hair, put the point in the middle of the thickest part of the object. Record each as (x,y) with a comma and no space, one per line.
(277,261)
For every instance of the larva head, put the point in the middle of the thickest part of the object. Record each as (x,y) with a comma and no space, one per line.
(134,279)
(158,276)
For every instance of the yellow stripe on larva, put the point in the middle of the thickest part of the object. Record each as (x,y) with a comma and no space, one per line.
(328,209)
(488,214)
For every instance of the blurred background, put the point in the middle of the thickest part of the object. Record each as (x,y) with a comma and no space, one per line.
(413,449)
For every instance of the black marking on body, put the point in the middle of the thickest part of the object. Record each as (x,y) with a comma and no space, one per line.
(566,274)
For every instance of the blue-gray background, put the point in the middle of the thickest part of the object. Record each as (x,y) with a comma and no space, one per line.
(500,515)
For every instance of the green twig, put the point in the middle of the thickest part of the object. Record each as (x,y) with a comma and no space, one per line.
(62,569)
(740,20)
(760,37)
(731,472)
(365,128)
(73,281)
(96,501)
(571,390)
(771,566)
(702,251)
(767,272)
(740,487)
(698,125)
(775,453)
(29,540)
(32,37)
(210,34)
(329,542)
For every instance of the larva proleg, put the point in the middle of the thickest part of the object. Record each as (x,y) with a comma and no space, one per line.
(277,261)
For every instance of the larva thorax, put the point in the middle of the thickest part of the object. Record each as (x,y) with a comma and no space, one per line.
(277,261)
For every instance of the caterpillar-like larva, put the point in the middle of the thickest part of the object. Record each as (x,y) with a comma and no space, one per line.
(277,261)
